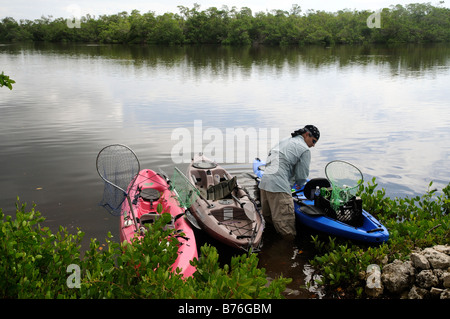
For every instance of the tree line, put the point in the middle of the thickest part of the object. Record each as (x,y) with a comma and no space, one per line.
(412,23)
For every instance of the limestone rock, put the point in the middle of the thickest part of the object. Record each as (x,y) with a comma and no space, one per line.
(417,293)
(398,276)
(442,249)
(420,261)
(445,294)
(425,276)
(436,292)
(446,279)
(437,259)
(427,279)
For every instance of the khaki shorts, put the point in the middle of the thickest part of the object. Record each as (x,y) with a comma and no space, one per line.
(279,208)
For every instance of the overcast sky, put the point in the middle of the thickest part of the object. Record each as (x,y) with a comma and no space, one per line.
(34,9)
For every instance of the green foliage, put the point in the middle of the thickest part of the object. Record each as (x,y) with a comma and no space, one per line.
(34,263)
(341,263)
(417,222)
(413,23)
(242,280)
(5,80)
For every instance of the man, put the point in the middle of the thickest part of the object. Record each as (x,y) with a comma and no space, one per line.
(288,163)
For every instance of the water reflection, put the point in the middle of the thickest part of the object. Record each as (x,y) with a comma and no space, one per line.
(385,109)
(412,58)
(356,95)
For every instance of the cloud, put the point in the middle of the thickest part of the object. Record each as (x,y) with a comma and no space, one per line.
(34,9)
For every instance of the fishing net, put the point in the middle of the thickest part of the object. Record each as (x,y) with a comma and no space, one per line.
(339,201)
(118,166)
(187,193)
(345,179)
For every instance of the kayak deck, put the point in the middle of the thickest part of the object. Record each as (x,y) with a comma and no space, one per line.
(223,209)
(371,230)
(148,191)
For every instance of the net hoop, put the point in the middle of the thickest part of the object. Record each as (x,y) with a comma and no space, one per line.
(99,163)
(335,178)
(345,179)
(118,166)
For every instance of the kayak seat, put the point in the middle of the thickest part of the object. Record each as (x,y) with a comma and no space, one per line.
(219,178)
(311,185)
(349,213)
(150,218)
(222,189)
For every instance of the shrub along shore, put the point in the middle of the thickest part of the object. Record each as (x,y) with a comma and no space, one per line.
(412,23)
(414,223)
(34,261)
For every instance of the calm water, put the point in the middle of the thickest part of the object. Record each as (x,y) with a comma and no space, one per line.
(386,110)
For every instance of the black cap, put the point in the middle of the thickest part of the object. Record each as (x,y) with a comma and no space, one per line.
(313,130)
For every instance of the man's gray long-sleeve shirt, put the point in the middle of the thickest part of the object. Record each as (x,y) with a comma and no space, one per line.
(288,163)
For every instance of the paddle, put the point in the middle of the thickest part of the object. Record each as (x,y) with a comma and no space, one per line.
(252,176)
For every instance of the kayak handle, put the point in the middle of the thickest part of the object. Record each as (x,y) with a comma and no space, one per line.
(374,230)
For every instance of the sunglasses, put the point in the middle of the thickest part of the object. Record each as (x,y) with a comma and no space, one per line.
(313,140)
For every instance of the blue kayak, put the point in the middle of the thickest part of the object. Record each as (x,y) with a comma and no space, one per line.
(368,229)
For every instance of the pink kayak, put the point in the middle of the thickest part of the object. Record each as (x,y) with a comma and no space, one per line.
(148,190)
